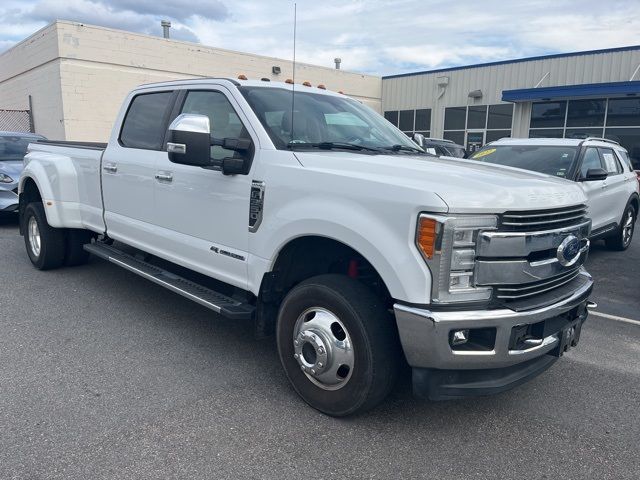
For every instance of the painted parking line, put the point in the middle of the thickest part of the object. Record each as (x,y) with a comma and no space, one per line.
(614,317)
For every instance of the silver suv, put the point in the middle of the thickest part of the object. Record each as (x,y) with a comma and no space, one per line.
(602,168)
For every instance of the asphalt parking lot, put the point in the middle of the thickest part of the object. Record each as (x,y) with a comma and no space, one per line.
(105,375)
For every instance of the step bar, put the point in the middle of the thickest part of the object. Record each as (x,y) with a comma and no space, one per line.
(219,303)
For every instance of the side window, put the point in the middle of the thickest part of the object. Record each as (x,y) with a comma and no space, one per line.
(144,123)
(590,160)
(624,156)
(611,163)
(225,122)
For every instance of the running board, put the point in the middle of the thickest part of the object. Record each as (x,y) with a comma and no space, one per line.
(219,303)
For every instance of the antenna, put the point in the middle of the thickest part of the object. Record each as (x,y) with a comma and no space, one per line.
(293,86)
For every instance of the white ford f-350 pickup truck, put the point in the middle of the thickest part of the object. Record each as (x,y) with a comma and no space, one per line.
(310,214)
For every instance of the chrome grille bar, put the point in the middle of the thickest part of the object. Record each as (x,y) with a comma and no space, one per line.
(543,219)
(524,291)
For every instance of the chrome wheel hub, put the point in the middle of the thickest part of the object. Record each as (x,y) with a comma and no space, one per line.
(627,228)
(34,236)
(323,349)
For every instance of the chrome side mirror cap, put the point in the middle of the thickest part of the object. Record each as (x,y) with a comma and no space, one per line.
(190,140)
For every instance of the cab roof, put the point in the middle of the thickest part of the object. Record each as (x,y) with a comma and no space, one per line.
(558,142)
(299,87)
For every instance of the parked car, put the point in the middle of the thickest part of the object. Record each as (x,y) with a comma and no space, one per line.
(327,226)
(440,147)
(13,147)
(601,167)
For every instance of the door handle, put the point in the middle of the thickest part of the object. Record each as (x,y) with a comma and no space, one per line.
(110,167)
(164,177)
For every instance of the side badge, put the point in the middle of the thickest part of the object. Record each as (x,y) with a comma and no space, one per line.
(256,204)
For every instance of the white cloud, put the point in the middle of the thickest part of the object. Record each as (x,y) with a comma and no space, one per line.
(373,36)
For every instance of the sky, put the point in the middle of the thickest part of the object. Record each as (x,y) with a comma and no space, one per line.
(373,36)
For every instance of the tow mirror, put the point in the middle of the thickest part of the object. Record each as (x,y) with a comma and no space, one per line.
(594,174)
(190,140)
(418,139)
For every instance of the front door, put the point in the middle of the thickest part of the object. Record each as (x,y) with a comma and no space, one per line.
(594,189)
(203,213)
(475,141)
(615,195)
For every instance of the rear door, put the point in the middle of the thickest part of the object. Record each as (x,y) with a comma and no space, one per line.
(615,194)
(129,168)
(594,189)
(203,214)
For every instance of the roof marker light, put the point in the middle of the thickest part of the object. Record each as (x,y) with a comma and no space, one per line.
(289,81)
(322,87)
(242,77)
(306,84)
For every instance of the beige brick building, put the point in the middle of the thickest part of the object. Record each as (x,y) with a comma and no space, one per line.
(78,75)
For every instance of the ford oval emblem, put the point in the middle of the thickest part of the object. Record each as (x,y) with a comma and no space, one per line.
(569,251)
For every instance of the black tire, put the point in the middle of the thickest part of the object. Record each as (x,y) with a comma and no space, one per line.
(622,237)
(75,252)
(52,240)
(373,336)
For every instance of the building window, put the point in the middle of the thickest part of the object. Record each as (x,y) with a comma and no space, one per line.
(454,118)
(629,138)
(411,121)
(548,114)
(456,137)
(406,120)
(624,112)
(477,117)
(493,135)
(500,116)
(423,119)
(614,118)
(586,113)
(490,122)
(392,116)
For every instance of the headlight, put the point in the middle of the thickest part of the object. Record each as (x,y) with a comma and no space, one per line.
(4,178)
(448,245)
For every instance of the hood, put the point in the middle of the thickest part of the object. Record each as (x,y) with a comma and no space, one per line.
(465,186)
(13,168)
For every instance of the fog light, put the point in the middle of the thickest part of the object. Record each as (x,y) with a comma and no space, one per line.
(459,337)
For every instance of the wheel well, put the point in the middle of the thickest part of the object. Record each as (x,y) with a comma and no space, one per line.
(306,257)
(636,204)
(30,194)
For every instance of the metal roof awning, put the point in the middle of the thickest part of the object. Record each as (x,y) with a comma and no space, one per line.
(570,91)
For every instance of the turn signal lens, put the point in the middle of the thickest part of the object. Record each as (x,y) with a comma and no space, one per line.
(426,237)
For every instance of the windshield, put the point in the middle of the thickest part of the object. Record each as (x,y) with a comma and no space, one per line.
(552,160)
(323,120)
(455,151)
(14,147)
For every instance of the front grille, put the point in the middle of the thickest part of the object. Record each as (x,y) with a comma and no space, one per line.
(526,290)
(537,220)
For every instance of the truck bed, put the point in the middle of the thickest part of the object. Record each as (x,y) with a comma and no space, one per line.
(74,186)
(65,143)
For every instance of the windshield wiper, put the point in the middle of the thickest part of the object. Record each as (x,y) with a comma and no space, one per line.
(407,148)
(331,146)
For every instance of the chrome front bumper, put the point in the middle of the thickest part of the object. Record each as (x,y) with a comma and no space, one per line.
(424,334)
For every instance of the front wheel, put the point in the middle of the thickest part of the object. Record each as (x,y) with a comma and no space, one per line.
(338,344)
(623,235)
